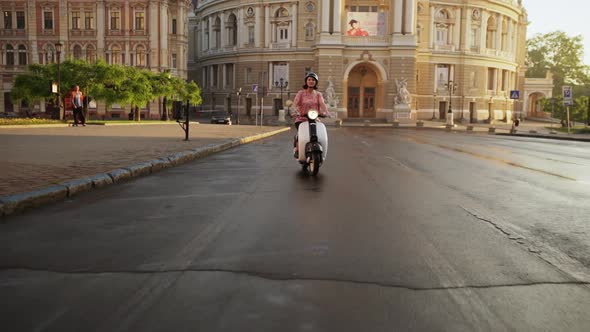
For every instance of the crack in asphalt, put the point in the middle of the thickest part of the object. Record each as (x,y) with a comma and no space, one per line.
(295,277)
(493,223)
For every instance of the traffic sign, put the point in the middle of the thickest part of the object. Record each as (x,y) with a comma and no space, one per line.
(568,95)
(514,94)
(254,87)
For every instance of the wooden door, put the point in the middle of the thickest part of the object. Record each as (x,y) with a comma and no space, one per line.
(442,110)
(369,103)
(248,106)
(353,106)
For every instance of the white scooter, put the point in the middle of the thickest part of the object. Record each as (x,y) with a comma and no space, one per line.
(313,143)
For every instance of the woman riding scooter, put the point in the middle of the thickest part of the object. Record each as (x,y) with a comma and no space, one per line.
(306,99)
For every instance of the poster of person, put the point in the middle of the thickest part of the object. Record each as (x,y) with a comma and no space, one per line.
(365,24)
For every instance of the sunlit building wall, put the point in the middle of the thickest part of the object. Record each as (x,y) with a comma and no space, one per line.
(147,34)
(478,45)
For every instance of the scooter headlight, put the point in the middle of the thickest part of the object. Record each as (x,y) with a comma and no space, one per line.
(312,114)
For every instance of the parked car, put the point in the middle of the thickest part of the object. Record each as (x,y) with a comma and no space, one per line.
(221,117)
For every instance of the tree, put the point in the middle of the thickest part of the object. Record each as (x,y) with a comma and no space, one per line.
(561,55)
(108,83)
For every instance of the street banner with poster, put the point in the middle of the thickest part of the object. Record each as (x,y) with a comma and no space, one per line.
(366,24)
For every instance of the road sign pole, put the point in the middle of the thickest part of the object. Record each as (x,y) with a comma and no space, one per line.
(568,119)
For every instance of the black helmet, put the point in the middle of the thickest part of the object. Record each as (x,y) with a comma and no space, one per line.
(312,74)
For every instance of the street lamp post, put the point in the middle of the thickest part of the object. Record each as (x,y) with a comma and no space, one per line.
(433,105)
(282,84)
(490,104)
(62,115)
(165,100)
(552,100)
(451,87)
(238,110)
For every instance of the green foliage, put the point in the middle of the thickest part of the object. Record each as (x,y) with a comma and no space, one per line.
(27,121)
(578,112)
(561,55)
(35,84)
(108,83)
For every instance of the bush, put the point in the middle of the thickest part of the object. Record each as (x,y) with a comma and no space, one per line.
(27,121)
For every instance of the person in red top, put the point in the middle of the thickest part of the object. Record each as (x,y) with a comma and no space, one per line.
(307,99)
(77,103)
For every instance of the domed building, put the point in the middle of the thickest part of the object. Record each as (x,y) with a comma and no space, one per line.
(377,59)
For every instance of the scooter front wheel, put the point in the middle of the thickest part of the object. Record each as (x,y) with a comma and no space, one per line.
(314,163)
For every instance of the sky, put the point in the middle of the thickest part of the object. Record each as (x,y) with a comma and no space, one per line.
(569,16)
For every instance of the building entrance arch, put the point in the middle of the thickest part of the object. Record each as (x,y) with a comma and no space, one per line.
(533,103)
(363,90)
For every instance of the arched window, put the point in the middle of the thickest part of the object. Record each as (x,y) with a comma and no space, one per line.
(504,34)
(282,27)
(309,31)
(90,54)
(442,27)
(216,30)
(9,55)
(206,34)
(116,55)
(140,56)
(491,33)
(77,52)
(22,55)
(232,30)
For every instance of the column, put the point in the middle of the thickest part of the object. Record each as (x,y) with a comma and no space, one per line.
(222,31)
(509,37)
(496,72)
(410,14)
(398,17)
(257,25)
(63,28)
(211,38)
(241,28)
(457,29)
(432,28)
(484,30)
(224,83)
(498,32)
(126,25)
(100,27)
(164,23)
(267,37)
(467,31)
(294,20)
(31,20)
(325,16)
(337,17)
(204,25)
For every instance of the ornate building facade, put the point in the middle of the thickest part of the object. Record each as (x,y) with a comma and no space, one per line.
(150,34)
(383,59)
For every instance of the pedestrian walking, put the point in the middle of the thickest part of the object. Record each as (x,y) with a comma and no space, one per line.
(77,102)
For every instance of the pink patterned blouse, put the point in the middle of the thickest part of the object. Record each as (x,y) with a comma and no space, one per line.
(305,101)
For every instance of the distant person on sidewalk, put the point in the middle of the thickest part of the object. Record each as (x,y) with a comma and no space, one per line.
(77,102)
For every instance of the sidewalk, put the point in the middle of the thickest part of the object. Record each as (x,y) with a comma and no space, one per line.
(528,128)
(50,163)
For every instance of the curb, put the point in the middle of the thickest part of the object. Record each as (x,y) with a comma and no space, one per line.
(556,137)
(490,130)
(12,204)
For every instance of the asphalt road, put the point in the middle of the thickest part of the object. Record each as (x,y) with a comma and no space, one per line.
(402,230)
